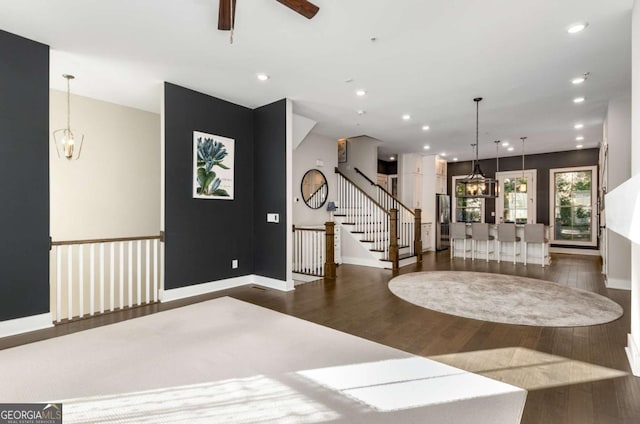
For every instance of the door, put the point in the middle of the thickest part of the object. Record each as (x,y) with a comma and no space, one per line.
(516,201)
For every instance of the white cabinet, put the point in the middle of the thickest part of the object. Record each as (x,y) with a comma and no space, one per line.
(410,180)
(441,176)
(426,236)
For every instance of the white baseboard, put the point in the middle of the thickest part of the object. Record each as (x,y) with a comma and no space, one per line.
(618,283)
(573,251)
(26,324)
(214,286)
(375,263)
(633,354)
(273,283)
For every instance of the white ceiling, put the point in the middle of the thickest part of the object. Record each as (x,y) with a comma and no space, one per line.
(431,58)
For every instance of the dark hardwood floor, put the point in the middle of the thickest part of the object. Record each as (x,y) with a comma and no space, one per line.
(358,302)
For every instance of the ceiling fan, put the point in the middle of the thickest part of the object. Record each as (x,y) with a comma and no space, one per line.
(227,11)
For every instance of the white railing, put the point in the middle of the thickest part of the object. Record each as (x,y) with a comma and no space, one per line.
(309,250)
(316,200)
(406,218)
(98,276)
(368,216)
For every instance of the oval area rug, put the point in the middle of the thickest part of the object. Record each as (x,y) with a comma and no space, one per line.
(505,299)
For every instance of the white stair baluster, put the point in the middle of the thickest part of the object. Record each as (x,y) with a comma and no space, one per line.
(101,278)
(80,280)
(155,270)
(70,281)
(112,276)
(58,252)
(92,278)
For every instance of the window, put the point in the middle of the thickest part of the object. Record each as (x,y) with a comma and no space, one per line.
(516,201)
(466,209)
(573,197)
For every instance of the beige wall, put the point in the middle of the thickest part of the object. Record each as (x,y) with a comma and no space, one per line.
(113,190)
(314,148)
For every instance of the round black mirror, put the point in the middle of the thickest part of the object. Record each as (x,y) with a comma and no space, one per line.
(314,189)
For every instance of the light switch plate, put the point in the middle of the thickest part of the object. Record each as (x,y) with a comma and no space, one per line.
(273,217)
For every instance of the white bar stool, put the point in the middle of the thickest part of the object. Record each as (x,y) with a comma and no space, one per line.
(534,233)
(480,232)
(507,234)
(459,232)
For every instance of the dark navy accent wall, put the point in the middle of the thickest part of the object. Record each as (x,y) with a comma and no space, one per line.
(270,188)
(542,162)
(24,177)
(204,236)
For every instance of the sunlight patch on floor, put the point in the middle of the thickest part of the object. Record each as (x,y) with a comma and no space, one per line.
(406,383)
(527,368)
(257,399)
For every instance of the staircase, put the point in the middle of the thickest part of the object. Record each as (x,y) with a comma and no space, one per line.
(382,231)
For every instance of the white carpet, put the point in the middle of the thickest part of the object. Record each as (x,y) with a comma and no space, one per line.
(227,361)
(504,298)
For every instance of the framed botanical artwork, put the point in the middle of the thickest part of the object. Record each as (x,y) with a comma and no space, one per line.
(213,166)
(342,150)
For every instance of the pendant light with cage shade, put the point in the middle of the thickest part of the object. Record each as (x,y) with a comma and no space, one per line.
(476,185)
(68,145)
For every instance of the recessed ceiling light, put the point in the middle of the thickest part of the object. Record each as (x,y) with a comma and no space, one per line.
(360,93)
(262,77)
(443,154)
(578,126)
(578,100)
(579,138)
(426,147)
(425,128)
(505,144)
(361,112)
(579,146)
(392,158)
(578,80)
(577,27)
(455,159)
(406,117)
(510,149)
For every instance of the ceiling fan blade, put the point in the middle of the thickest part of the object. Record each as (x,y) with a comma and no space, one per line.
(225,12)
(303,7)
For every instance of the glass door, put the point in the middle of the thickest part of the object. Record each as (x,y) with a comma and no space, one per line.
(516,202)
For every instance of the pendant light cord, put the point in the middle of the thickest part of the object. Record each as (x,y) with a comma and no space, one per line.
(68,107)
(477,126)
(523,139)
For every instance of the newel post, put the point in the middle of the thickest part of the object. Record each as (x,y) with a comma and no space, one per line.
(417,239)
(330,263)
(393,238)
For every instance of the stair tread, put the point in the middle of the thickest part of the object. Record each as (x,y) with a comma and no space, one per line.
(400,257)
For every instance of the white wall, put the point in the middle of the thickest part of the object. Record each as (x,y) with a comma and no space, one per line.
(362,153)
(618,135)
(314,148)
(113,190)
(633,348)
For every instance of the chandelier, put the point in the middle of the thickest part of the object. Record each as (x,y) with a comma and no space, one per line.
(67,144)
(476,185)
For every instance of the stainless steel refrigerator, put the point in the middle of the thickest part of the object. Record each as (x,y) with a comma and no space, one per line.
(443,217)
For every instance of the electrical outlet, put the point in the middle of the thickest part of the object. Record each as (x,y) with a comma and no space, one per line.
(234,264)
(273,217)
(493,214)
